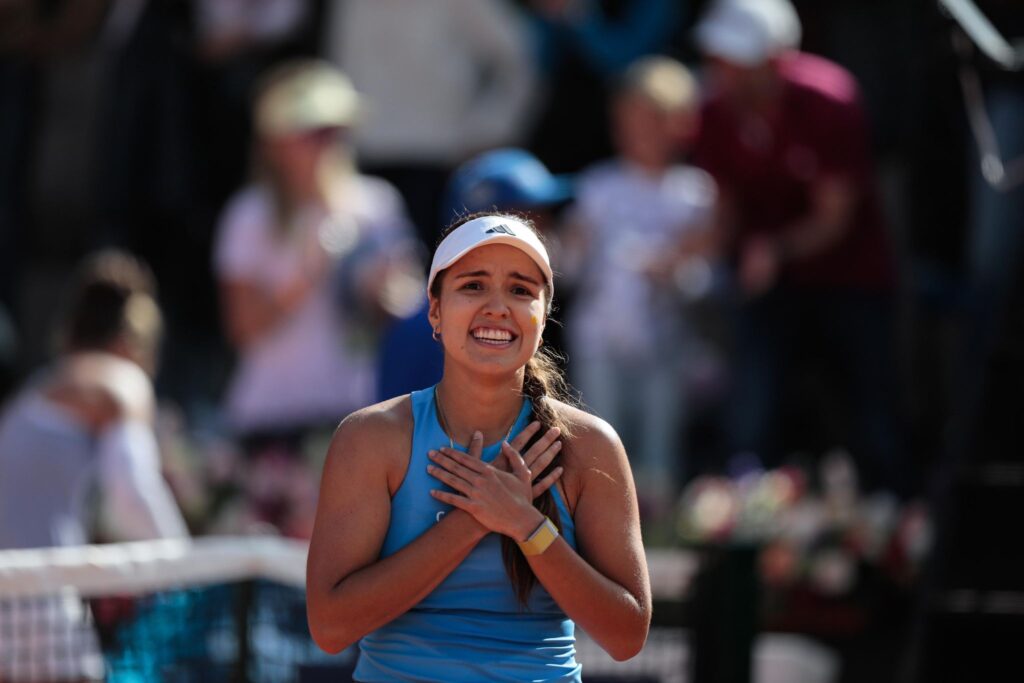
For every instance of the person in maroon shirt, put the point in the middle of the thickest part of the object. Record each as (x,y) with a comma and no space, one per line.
(785,136)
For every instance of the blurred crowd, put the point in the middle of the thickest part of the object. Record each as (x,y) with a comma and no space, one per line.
(776,239)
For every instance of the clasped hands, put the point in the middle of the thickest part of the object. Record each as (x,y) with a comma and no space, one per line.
(499,495)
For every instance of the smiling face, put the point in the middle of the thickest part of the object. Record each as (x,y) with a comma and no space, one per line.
(491,309)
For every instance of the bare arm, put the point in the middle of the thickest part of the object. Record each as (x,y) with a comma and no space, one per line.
(350,590)
(762,256)
(604,586)
(832,205)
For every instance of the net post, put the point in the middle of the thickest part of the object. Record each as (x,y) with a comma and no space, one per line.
(243,610)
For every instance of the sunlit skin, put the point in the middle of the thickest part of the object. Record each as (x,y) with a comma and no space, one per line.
(493,288)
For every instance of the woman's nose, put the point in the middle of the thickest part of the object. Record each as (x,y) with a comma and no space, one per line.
(496,305)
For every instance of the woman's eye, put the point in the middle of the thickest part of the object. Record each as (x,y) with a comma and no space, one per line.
(472,285)
(521,291)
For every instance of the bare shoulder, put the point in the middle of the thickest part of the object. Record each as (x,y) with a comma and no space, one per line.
(120,385)
(379,435)
(594,449)
(379,426)
(592,439)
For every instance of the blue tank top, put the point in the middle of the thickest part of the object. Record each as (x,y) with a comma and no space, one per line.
(471,627)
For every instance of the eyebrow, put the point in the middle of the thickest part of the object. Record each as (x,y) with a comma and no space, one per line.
(475,273)
(484,273)
(525,278)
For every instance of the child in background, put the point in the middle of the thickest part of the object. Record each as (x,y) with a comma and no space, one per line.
(639,219)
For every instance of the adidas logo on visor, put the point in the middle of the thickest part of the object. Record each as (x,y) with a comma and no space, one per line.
(499,228)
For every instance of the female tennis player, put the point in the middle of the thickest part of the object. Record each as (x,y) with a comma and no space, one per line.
(463,530)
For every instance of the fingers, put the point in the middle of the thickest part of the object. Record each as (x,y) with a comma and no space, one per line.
(523,437)
(458,483)
(457,463)
(452,499)
(545,458)
(538,449)
(547,482)
(501,463)
(476,445)
(519,467)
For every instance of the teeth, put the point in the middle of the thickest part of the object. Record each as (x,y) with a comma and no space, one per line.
(493,335)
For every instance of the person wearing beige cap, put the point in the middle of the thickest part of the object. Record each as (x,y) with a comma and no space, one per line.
(452,560)
(309,256)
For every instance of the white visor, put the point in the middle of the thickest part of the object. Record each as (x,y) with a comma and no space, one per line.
(489,230)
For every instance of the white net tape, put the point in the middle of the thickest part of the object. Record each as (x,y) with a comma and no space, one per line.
(213,609)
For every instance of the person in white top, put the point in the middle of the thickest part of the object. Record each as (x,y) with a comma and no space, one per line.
(79,461)
(635,234)
(310,258)
(446,79)
(84,426)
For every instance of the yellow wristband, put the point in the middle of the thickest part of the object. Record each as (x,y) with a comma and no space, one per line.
(540,539)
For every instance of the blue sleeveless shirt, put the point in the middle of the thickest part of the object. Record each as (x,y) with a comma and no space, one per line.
(471,627)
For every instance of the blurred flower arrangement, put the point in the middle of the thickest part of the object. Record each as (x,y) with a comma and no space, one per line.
(222,489)
(816,538)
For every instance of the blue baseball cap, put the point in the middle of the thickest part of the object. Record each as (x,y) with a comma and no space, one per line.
(503,179)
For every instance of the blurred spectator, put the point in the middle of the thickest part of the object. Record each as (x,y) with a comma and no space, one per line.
(784,134)
(582,47)
(507,179)
(81,431)
(312,258)
(445,79)
(640,220)
(79,461)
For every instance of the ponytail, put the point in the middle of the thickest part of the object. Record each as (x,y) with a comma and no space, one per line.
(543,382)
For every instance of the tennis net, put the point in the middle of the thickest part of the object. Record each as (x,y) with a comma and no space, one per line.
(211,609)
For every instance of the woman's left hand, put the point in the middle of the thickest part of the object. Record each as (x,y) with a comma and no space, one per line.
(500,500)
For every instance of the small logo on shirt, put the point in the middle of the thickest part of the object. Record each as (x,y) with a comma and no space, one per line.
(504,229)
(440,515)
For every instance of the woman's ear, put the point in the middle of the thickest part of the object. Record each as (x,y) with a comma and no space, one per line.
(434,311)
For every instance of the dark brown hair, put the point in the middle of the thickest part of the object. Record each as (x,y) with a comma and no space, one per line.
(112,296)
(543,384)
